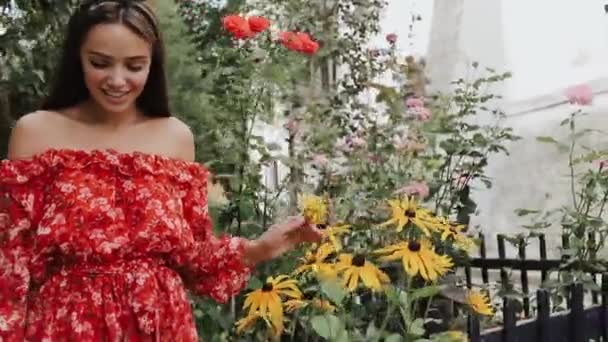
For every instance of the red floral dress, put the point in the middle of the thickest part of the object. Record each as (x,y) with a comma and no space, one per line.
(101,245)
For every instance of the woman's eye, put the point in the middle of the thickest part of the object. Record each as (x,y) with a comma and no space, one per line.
(135,67)
(98,65)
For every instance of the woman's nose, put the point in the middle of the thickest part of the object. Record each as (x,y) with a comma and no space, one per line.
(117,78)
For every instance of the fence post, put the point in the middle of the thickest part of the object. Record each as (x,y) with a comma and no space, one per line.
(524,278)
(504,277)
(544,312)
(566,245)
(577,317)
(509,321)
(542,245)
(474,328)
(605,306)
(482,254)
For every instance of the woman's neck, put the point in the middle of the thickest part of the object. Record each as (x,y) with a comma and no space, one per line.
(92,113)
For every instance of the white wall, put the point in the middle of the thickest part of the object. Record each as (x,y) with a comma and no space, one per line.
(546,44)
(552,44)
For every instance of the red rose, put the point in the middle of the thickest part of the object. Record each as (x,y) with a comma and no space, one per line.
(299,42)
(258,24)
(238,26)
(309,46)
(290,40)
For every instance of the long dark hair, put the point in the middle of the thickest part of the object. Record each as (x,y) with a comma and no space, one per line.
(69,87)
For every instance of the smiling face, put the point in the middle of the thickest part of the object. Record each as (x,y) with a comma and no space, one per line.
(116,63)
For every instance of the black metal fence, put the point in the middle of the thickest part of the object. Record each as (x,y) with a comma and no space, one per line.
(576,324)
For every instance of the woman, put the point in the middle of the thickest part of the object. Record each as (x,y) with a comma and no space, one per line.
(104,221)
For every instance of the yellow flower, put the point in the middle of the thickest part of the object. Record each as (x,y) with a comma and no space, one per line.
(452,336)
(314,209)
(331,234)
(316,262)
(267,301)
(406,211)
(480,303)
(249,321)
(355,267)
(417,257)
(320,304)
(454,232)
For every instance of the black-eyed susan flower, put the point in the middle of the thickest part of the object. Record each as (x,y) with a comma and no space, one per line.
(404,211)
(455,233)
(355,267)
(314,209)
(480,303)
(308,300)
(268,301)
(451,336)
(318,262)
(249,321)
(417,257)
(332,234)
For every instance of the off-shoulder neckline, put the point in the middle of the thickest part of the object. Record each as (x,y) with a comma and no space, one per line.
(105,151)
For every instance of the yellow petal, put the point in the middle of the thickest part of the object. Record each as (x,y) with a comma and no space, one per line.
(368,275)
(276,312)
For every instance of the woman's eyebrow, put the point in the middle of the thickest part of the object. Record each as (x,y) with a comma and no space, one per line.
(100,54)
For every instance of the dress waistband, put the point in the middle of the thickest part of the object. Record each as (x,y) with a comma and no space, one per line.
(114,267)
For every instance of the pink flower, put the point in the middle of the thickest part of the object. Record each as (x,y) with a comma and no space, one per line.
(603,164)
(461,180)
(414,102)
(421,113)
(391,38)
(320,160)
(581,94)
(374,158)
(291,126)
(415,188)
(357,142)
(405,144)
(399,142)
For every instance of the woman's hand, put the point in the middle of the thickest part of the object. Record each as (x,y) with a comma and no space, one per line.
(281,238)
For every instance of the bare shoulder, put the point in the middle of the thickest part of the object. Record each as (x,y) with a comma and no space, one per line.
(30,134)
(181,138)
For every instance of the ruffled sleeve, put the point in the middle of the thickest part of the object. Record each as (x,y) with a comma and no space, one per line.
(21,200)
(214,265)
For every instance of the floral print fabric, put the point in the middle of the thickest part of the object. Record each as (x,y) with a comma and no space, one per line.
(101,246)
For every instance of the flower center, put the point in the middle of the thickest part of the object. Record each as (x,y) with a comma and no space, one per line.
(322,226)
(413,246)
(267,287)
(358,260)
(411,213)
(330,257)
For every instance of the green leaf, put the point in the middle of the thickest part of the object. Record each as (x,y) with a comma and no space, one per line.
(328,326)
(371,332)
(425,292)
(333,290)
(403,298)
(545,139)
(254,283)
(417,327)
(524,212)
(392,295)
(393,338)
(273,147)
